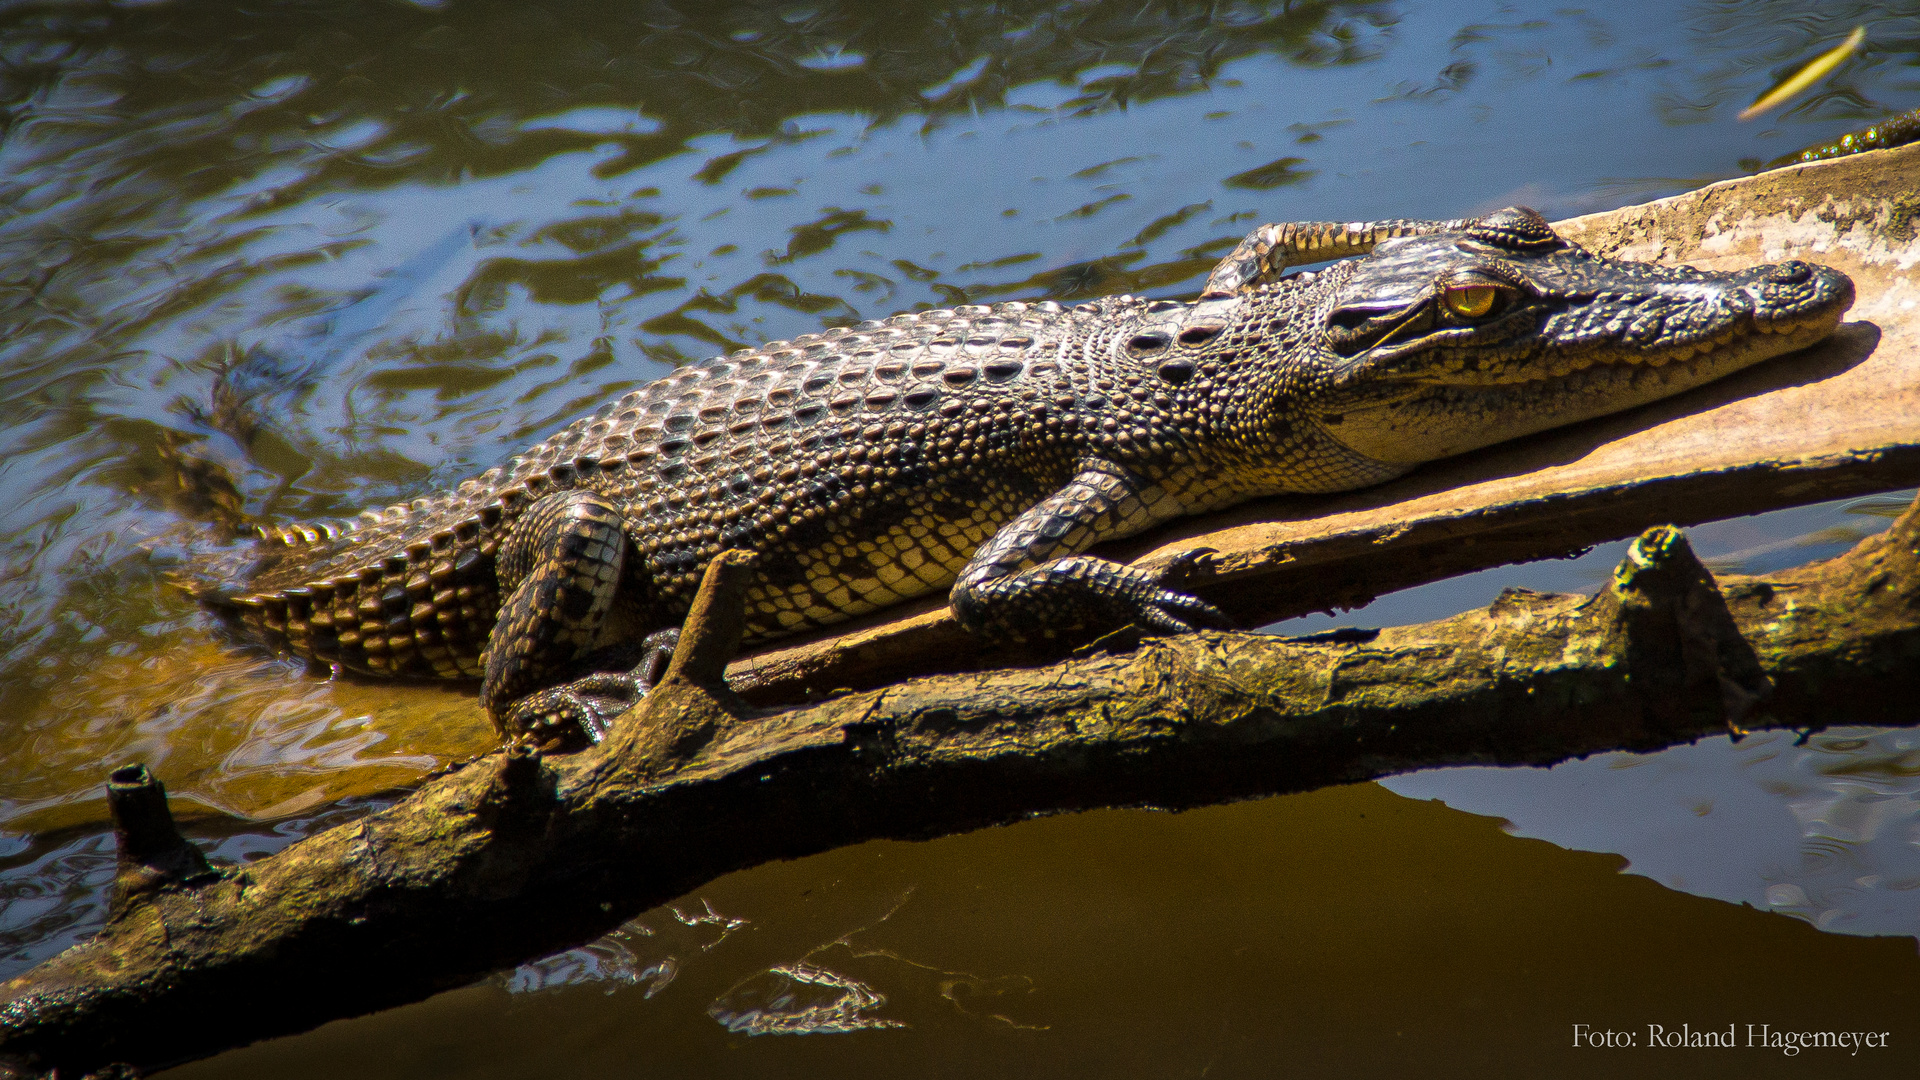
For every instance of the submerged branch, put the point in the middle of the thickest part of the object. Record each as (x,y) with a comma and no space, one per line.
(518,855)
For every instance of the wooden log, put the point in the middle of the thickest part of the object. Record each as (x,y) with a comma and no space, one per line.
(1838,420)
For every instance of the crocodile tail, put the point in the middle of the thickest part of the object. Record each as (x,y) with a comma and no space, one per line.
(407,590)
(302,534)
(212,575)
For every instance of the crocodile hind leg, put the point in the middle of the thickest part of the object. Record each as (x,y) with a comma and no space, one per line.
(1011,591)
(560,568)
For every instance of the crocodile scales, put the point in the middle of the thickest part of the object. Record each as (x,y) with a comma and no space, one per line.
(983,449)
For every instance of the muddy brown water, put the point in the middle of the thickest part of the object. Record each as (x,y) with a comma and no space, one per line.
(349,252)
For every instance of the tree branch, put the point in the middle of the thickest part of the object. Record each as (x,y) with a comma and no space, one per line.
(517,855)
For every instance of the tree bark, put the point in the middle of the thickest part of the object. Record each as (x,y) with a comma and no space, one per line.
(516,855)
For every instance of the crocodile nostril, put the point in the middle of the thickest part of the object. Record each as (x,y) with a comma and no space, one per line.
(1790,273)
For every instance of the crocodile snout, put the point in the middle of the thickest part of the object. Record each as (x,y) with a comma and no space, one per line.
(1794,294)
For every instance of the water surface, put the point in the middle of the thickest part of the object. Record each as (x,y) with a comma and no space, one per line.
(347,252)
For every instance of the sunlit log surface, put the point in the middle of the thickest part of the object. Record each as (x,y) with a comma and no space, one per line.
(1838,420)
(516,855)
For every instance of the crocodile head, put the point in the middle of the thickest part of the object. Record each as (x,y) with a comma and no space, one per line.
(1438,344)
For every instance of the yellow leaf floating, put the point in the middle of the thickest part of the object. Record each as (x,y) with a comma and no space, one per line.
(1807,76)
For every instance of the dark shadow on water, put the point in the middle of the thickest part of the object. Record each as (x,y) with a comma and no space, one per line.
(1342,933)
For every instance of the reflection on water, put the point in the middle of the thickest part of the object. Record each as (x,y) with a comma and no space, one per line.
(345,251)
(53,894)
(618,957)
(233,735)
(1828,831)
(800,999)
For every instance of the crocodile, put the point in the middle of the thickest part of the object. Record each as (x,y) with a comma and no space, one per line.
(983,449)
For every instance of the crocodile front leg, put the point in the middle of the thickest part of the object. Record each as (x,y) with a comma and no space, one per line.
(1270,249)
(1010,591)
(560,568)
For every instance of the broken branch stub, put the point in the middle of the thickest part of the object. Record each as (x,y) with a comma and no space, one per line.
(717,621)
(151,853)
(1684,656)
(692,704)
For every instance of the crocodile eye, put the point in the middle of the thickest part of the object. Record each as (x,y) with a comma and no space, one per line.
(1471,301)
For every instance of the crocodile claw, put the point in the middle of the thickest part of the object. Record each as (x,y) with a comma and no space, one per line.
(578,713)
(1178,613)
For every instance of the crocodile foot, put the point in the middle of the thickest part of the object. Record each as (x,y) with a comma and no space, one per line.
(575,714)
(1078,592)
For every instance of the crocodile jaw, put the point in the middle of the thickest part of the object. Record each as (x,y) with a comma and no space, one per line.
(1443,420)
(1461,390)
